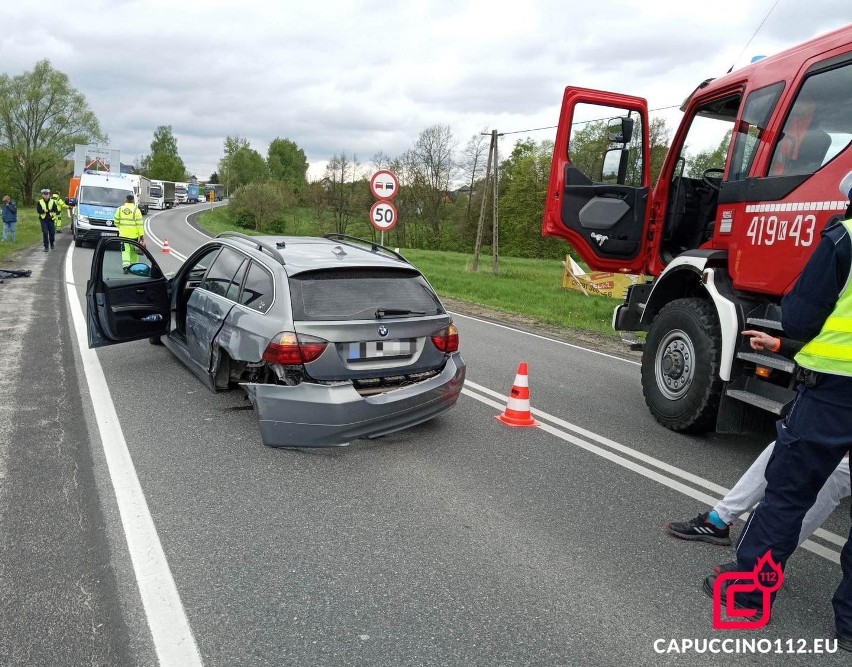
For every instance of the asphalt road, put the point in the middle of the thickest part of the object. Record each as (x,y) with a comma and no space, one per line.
(458,542)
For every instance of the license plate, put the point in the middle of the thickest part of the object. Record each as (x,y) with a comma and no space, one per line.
(380,349)
(109,233)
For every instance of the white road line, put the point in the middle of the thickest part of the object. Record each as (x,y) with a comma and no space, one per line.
(705,498)
(540,337)
(157,240)
(170,630)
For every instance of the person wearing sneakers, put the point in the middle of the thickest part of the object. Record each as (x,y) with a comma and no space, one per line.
(128,220)
(814,436)
(46,209)
(713,526)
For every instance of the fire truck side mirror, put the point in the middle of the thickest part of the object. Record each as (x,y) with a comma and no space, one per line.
(620,130)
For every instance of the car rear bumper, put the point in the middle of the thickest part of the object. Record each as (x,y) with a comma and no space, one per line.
(314,415)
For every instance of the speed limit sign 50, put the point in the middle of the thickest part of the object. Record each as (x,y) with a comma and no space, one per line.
(383,215)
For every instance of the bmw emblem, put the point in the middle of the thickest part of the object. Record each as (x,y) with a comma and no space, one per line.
(383,331)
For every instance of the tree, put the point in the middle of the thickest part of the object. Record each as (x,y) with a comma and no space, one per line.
(473,167)
(214,178)
(715,158)
(41,119)
(246,166)
(523,183)
(257,205)
(428,166)
(287,163)
(232,144)
(163,162)
(339,182)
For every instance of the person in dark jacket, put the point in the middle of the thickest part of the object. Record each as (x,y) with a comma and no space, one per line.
(10,219)
(815,435)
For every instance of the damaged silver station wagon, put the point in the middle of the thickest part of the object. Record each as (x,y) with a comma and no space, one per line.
(332,338)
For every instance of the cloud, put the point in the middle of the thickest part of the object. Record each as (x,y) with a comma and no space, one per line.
(363,77)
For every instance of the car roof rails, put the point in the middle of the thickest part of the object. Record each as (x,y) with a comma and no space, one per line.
(374,247)
(260,245)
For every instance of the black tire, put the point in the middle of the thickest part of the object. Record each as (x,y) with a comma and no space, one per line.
(78,243)
(155,340)
(680,366)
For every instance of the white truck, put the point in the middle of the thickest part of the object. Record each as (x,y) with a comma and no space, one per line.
(98,196)
(180,193)
(162,195)
(142,188)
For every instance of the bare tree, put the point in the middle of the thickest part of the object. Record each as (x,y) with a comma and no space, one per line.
(430,163)
(340,175)
(473,167)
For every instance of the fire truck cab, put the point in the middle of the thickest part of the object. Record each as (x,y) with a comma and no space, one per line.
(722,236)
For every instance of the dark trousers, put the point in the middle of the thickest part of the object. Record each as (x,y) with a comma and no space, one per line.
(48,232)
(811,442)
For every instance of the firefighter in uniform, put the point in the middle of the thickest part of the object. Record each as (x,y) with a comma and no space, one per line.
(817,431)
(46,209)
(61,206)
(128,220)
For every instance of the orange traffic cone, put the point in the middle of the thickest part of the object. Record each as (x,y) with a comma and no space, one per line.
(166,245)
(518,412)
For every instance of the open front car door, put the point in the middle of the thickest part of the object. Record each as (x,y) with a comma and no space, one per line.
(600,178)
(127,296)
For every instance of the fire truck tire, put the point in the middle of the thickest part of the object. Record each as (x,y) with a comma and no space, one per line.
(680,366)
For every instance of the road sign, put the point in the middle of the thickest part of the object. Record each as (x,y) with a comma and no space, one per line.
(384,184)
(383,215)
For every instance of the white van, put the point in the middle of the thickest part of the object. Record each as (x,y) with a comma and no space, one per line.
(98,197)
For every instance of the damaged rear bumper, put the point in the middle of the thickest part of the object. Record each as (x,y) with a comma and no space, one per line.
(315,415)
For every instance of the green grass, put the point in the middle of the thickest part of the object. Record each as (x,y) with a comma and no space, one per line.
(28,232)
(531,288)
(527,287)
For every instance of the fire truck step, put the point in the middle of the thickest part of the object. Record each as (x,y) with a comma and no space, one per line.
(767,324)
(756,399)
(769,360)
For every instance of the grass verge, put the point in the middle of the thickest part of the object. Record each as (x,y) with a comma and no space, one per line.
(28,232)
(531,288)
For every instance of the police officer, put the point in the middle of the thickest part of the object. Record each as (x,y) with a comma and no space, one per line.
(60,207)
(817,432)
(128,220)
(46,209)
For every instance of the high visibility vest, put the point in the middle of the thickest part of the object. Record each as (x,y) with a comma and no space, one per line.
(59,203)
(831,350)
(128,219)
(46,209)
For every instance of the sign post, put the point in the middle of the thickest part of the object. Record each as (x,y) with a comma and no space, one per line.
(383,215)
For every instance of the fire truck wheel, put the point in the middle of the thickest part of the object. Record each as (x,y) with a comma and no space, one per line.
(680,366)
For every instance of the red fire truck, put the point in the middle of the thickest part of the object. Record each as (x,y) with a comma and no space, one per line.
(721,243)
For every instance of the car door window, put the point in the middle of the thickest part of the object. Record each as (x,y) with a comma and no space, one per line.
(258,291)
(220,276)
(196,274)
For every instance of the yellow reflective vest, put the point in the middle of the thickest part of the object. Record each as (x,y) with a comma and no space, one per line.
(831,350)
(128,219)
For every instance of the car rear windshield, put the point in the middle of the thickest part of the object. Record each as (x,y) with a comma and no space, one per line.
(356,294)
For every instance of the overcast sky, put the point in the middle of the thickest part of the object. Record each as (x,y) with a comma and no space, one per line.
(368,76)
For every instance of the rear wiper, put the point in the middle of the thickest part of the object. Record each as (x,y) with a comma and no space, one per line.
(386,312)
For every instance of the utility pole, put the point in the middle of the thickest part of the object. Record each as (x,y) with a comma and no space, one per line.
(492,159)
(495,239)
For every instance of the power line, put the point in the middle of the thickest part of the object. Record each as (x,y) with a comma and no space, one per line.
(771,9)
(593,120)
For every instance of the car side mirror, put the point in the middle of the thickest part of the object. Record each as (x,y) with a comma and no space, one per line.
(71,201)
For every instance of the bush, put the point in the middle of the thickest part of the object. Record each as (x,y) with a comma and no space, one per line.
(261,206)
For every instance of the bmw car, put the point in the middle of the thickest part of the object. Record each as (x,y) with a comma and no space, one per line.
(331,338)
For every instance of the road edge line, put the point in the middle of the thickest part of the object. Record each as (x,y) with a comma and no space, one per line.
(167,621)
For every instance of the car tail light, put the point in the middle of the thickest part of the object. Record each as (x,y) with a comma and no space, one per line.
(288,349)
(447,339)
